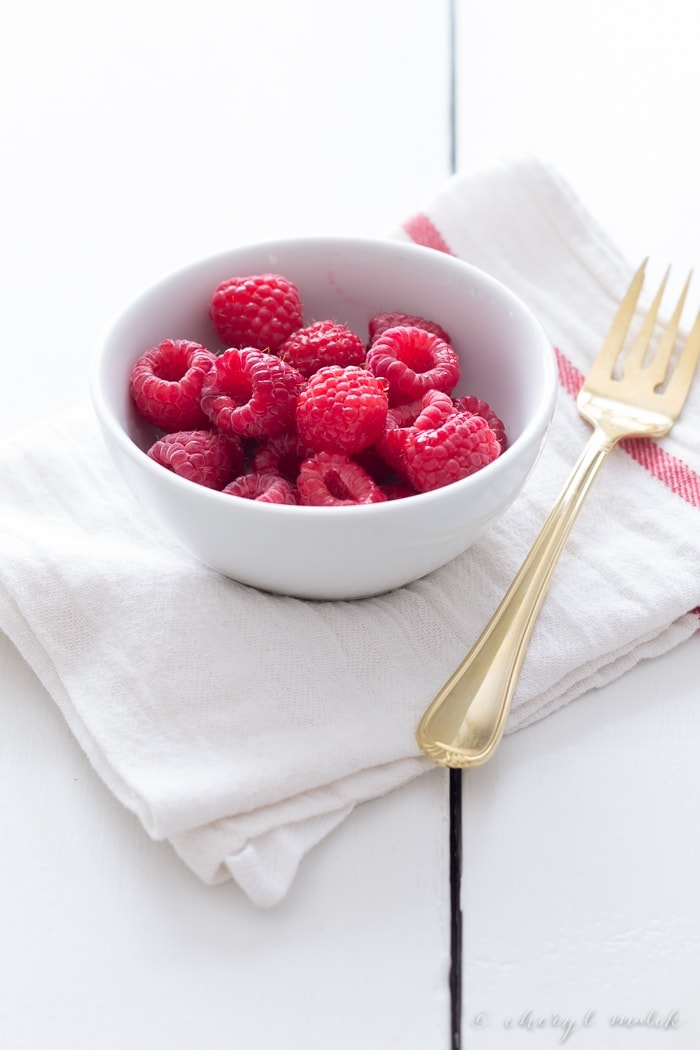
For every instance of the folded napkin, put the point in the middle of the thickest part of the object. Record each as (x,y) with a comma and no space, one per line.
(243,727)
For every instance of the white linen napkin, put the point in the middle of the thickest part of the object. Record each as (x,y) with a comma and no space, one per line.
(243,727)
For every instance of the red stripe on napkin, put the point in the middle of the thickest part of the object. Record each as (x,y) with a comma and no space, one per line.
(671,471)
(569,376)
(674,473)
(421,230)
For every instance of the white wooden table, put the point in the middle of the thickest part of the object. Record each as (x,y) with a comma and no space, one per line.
(139,137)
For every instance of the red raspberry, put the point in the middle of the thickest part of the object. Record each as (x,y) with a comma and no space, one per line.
(166,383)
(379,324)
(323,343)
(202,456)
(262,488)
(251,393)
(342,409)
(330,479)
(413,361)
(427,413)
(261,311)
(281,455)
(460,446)
(474,407)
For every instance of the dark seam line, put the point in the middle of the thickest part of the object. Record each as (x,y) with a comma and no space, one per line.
(455,908)
(455,775)
(452,86)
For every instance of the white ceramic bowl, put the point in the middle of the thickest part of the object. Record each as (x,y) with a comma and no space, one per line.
(338,552)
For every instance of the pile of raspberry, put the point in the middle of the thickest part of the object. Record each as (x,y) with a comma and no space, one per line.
(311,414)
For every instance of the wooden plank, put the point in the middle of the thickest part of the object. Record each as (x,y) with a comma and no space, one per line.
(134,142)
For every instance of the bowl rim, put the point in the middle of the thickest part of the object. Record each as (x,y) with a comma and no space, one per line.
(534,430)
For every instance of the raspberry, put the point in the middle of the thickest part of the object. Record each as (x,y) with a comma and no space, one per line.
(330,479)
(427,413)
(202,456)
(281,455)
(380,322)
(166,383)
(342,409)
(413,361)
(260,311)
(474,407)
(251,393)
(323,343)
(263,488)
(460,446)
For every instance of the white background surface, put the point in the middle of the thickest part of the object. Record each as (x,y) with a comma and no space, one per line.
(135,140)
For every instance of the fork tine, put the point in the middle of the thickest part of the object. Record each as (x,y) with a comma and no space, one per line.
(615,338)
(637,353)
(658,366)
(679,383)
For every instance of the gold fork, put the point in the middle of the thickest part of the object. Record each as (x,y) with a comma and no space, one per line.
(464,724)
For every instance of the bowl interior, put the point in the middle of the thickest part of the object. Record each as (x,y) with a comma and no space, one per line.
(503,353)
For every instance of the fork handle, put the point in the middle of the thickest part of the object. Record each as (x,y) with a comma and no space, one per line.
(465,722)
